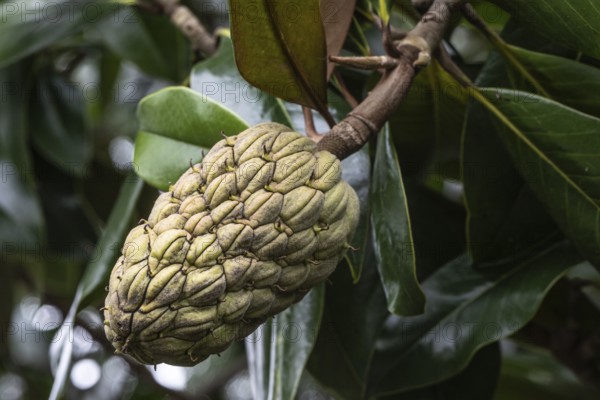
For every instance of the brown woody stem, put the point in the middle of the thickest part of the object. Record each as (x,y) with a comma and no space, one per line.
(309,124)
(414,50)
(368,63)
(451,68)
(185,20)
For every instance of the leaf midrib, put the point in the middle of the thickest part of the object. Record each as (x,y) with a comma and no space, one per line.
(291,60)
(506,121)
(454,310)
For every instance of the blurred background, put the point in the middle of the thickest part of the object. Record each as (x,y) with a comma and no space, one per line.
(71,76)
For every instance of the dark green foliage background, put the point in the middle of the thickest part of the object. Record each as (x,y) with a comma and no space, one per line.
(476,269)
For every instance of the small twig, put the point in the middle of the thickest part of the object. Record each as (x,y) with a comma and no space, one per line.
(368,63)
(309,125)
(388,38)
(451,68)
(474,19)
(415,50)
(388,35)
(185,20)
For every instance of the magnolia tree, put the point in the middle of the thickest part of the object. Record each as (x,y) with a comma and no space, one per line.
(289,199)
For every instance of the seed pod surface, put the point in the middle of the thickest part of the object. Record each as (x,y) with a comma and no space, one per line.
(239,237)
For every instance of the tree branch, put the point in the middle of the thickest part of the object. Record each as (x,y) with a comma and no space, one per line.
(414,51)
(185,20)
(368,63)
(309,124)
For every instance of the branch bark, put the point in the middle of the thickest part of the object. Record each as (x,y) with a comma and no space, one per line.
(185,20)
(415,51)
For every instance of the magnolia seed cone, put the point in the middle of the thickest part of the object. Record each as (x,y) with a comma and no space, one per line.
(239,238)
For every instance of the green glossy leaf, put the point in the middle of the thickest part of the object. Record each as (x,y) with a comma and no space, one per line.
(176,124)
(572,83)
(59,131)
(355,315)
(71,228)
(504,217)
(357,41)
(392,236)
(330,367)
(207,375)
(161,160)
(174,47)
(527,37)
(467,308)
(413,129)
(476,382)
(109,68)
(356,170)
(279,350)
(494,16)
(182,114)
(438,227)
(567,311)
(151,42)
(21,219)
(427,125)
(95,275)
(556,155)
(280,48)
(30,26)
(218,79)
(109,246)
(381,8)
(258,347)
(574,24)
(6,308)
